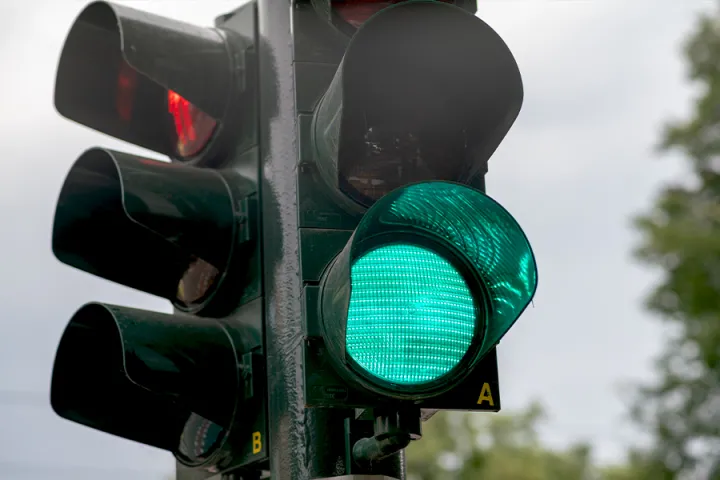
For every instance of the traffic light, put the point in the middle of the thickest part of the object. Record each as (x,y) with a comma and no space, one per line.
(322,230)
(412,274)
(433,276)
(190,382)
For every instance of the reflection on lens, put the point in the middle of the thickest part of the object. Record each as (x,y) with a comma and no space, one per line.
(199,439)
(394,159)
(197,282)
(126,91)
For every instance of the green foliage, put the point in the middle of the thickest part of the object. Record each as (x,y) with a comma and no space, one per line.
(472,446)
(681,236)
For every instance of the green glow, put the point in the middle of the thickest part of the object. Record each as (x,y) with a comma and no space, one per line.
(478,228)
(411,317)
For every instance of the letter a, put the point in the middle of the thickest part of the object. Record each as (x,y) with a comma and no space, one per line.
(486,395)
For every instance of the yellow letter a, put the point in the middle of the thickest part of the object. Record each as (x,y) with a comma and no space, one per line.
(486,395)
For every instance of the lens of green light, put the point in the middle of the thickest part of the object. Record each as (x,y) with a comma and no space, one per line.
(411,317)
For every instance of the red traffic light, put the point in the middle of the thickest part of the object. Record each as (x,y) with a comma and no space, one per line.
(193,127)
(157,83)
(356,12)
(353,13)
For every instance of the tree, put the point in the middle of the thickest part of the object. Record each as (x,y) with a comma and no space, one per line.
(484,446)
(681,236)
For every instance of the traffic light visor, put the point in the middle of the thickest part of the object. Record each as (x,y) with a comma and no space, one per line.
(144,375)
(145,79)
(147,224)
(435,274)
(425,91)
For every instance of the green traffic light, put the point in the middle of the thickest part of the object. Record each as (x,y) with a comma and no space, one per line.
(432,278)
(411,317)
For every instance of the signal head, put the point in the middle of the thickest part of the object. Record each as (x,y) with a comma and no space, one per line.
(192,382)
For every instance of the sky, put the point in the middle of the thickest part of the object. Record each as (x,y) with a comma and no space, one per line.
(601,77)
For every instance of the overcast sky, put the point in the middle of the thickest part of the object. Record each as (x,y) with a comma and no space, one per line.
(600,78)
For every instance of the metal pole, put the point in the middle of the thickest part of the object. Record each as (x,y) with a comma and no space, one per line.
(310,444)
(392,466)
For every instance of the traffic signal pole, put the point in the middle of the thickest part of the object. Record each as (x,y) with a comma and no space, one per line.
(278,137)
(304,443)
(283,332)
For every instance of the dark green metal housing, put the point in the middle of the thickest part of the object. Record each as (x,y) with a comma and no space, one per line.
(192,382)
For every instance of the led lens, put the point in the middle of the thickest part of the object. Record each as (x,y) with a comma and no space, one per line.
(411,317)
(193,127)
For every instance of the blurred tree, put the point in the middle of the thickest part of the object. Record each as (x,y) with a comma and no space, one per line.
(638,467)
(681,236)
(467,446)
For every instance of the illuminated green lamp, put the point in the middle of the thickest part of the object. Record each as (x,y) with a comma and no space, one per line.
(432,278)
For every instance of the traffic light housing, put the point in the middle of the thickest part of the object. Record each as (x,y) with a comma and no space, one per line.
(412,273)
(188,231)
